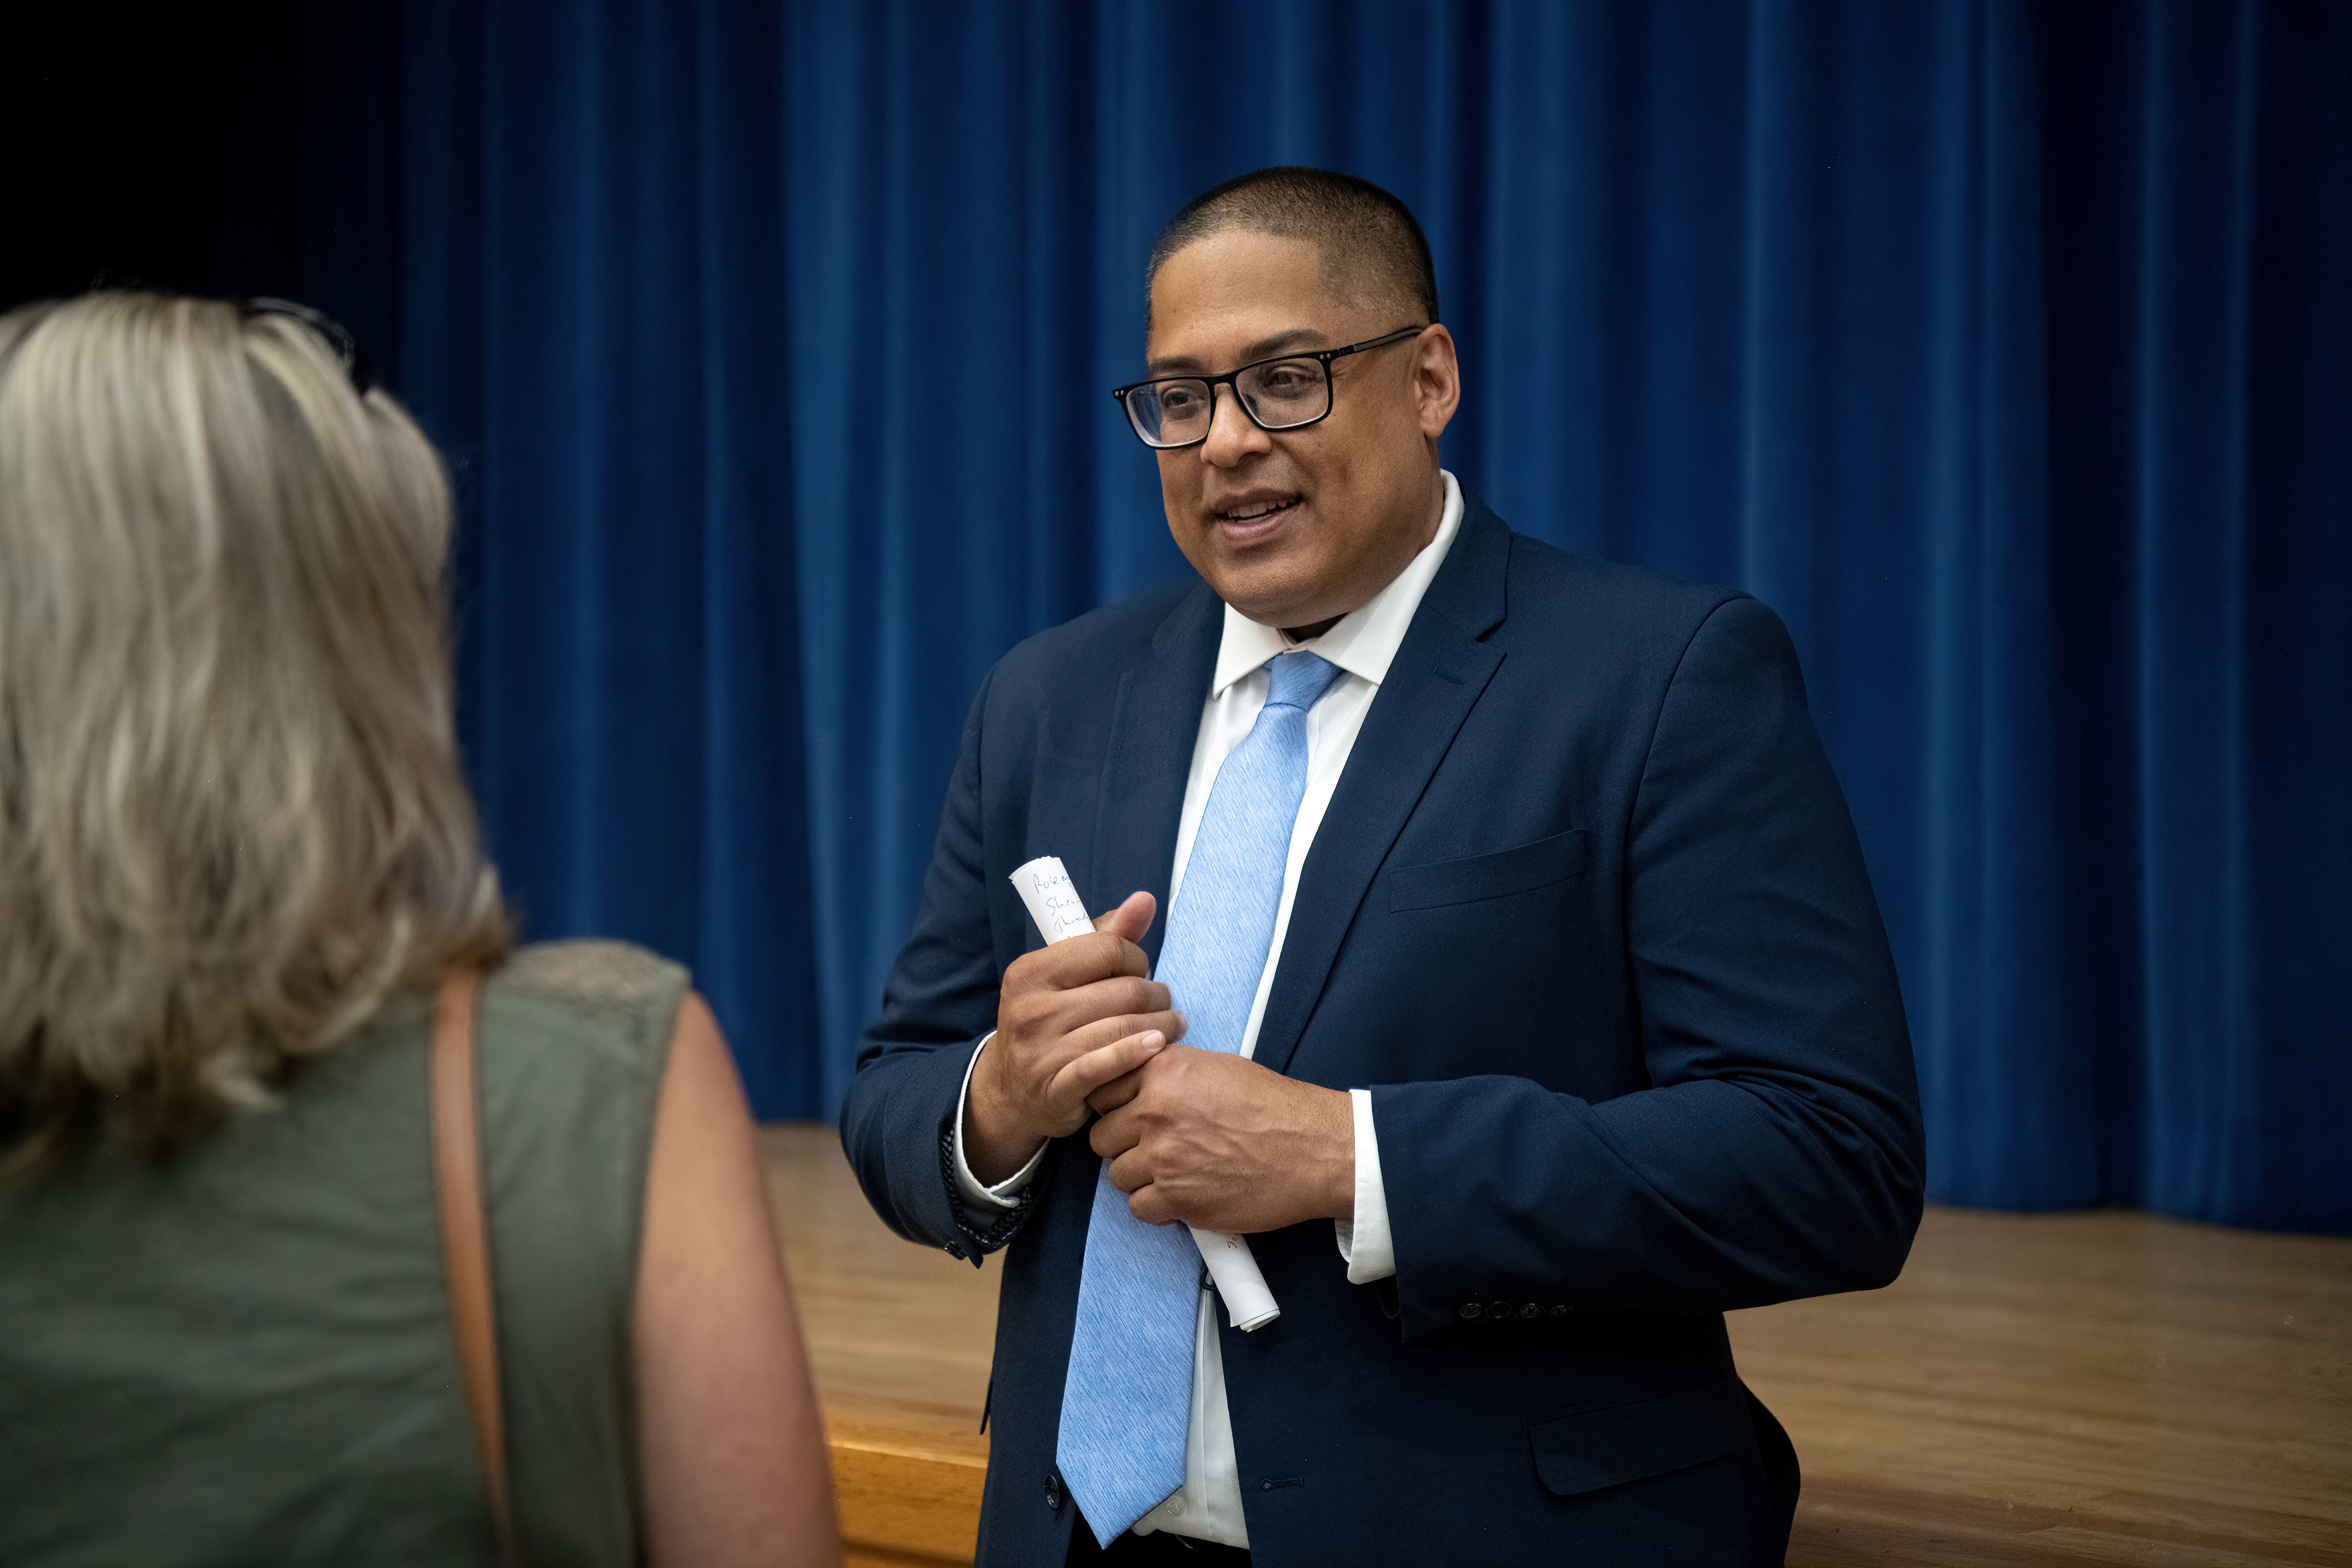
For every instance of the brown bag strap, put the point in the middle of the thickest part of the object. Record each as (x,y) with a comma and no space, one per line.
(464,1235)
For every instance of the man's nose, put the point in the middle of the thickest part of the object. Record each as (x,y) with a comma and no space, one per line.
(1232,434)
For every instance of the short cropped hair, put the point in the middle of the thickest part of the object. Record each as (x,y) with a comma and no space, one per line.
(1371,247)
(231,812)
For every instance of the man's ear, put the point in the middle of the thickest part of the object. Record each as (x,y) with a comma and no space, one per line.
(1437,380)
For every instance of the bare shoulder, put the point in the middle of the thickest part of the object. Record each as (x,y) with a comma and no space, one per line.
(732,1449)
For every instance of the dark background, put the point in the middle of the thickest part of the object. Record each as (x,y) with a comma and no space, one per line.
(158,146)
(2004,347)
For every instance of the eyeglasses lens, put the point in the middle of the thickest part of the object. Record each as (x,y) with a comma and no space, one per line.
(1171,413)
(1286,393)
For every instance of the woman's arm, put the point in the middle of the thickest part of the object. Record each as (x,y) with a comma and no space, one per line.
(732,1452)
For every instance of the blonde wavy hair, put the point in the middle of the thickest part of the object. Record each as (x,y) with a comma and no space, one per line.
(231,814)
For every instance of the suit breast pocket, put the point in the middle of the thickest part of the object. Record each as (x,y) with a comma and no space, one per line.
(1524,869)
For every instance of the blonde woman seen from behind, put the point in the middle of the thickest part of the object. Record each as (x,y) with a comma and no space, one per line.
(237,859)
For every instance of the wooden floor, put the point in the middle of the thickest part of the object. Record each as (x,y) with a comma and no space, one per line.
(2101,1388)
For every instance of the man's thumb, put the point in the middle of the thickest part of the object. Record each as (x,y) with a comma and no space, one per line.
(1131,919)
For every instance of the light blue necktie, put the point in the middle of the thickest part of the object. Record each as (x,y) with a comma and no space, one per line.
(1128,1396)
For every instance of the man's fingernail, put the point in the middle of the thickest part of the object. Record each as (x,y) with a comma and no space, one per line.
(1153,1039)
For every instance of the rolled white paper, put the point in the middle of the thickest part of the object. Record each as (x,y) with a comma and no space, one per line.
(1234,1267)
(1045,886)
(1052,903)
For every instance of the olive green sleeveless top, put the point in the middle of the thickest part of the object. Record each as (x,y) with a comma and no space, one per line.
(245,1355)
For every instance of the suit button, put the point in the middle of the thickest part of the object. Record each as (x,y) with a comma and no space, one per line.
(1561,1311)
(1498,1308)
(1053,1491)
(1470,1309)
(1531,1310)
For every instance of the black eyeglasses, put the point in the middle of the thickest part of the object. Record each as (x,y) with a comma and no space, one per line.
(346,347)
(1279,394)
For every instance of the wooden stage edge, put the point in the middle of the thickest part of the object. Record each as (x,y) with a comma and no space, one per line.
(2088,1388)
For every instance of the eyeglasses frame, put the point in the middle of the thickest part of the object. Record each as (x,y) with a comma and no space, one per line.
(1331,388)
(338,340)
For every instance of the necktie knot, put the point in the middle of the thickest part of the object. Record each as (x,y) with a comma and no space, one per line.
(1300,679)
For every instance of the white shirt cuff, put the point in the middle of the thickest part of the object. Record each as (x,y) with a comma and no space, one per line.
(998,1199)
(1366,1244)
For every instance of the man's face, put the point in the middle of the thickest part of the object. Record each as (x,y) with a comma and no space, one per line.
(1295,528)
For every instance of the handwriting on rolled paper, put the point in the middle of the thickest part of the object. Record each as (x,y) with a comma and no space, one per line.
(1053,903)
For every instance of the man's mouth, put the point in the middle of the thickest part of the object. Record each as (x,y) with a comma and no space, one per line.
(1258,514)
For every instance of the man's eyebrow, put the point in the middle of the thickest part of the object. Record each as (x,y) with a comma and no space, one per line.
(1264,348)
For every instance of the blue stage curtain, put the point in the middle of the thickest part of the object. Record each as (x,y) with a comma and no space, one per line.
(2005,348)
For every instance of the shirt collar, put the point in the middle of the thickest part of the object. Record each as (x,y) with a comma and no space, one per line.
(1365,641)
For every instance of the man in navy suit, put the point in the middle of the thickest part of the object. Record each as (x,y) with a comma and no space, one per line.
(1577,1025)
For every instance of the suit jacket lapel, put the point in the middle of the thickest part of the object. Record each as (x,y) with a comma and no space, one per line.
(1435,679)
(1155,722)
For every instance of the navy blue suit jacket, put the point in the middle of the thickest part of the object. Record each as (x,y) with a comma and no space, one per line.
(1588,916)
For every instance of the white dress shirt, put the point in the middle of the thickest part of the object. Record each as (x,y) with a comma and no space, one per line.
(1363,643)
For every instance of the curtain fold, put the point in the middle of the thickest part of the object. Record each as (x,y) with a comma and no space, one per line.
(2005,348)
